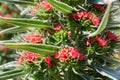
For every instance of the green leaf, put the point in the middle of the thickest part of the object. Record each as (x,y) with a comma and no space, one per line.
(114,28)
(60,6)
(9,65)
(14,30)
(105,71)
(103,23)
(43,49)
(26,22)
(11,74)
(18,2)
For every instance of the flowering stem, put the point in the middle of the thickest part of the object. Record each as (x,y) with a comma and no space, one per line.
(103,23)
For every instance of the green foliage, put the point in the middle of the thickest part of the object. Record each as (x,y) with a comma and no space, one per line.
(60,27)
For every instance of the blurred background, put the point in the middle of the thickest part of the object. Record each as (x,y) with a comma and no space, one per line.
(8,11)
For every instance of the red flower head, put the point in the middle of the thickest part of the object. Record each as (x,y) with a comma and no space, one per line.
(73,52)
(81,57)
(3,48)
(97,6)
(62,55)
(35,38)
(7,15)
(67,53)
(77,15)
(85,14)
(48,60)
(45,5)
(1,13)
(95,20)
(89,41)
(90,16)
(20,60)
(57,27)
(47,31)
(28,56)
(111,36)
(101,41)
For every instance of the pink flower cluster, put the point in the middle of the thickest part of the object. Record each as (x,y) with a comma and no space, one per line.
(102,42)
(84,14)
(28,56)
(100,7)
(48,60)
(111,36)
(66,53)
(35,38)
(57,27)
(43,4)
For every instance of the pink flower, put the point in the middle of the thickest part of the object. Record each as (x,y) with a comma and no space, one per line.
(62,54)
(1,13)
(111,36)
(90,16)
(45,5)
(47,31)
(28,56)
(103,9)
(1,35)
(69,33)
(85,14)
(57,27)
(81,57)
(89,41)
(66,53)
(4,48)
(77,15)
(20,60)
(97,6)
(74,53)
(100,7)
(95,20)
(48,60)
(35,38)
(7,15)
(101,41)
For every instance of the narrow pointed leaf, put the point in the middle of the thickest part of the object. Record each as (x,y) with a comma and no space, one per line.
(11,74)
(103,23)
(43,49)
(9,65)
(114,28)
(18,2)
(26,22)
(14,30)
(114,75)
(60,6)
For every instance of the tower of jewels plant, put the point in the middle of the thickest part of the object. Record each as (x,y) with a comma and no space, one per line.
(63,40)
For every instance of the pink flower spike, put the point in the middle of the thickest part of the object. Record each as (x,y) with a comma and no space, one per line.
(111,36)
(45,5)
(57,27)
(48,60)
(89,41)
(101,41)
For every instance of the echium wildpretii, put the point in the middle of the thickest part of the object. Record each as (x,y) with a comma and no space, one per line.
(62,51)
